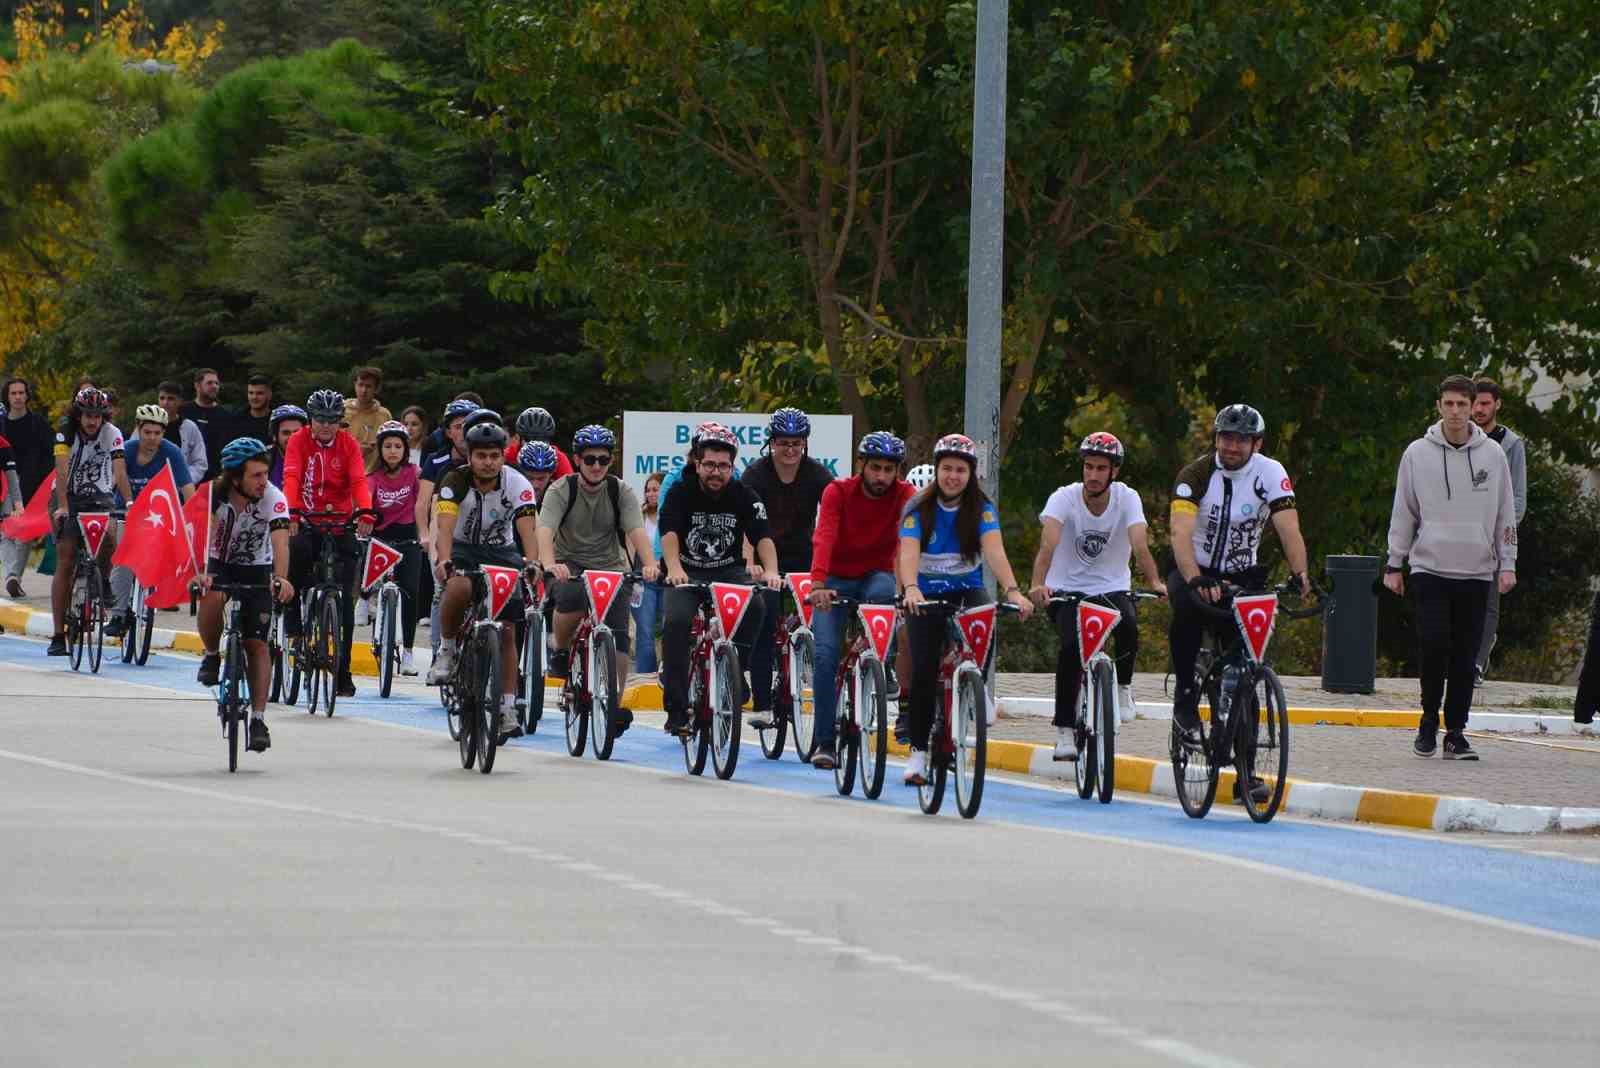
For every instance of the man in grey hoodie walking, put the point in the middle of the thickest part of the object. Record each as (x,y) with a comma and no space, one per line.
(1486,413)
(1455,519)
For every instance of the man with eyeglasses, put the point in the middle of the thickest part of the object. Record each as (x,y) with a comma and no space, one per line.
(591,519)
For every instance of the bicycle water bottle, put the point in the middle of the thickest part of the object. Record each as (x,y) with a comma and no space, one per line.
(1230,679)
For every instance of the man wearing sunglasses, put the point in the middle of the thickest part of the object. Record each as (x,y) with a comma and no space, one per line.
(591,519)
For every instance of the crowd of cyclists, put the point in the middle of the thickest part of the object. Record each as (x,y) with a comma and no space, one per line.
(484,490)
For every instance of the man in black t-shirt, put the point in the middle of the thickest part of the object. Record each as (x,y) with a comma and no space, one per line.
(704,524)
(215,421)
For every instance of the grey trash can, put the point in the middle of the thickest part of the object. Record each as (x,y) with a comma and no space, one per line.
(1350,625)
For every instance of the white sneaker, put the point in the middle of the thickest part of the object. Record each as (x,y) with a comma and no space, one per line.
(444,662)
(406,666)
(1126,708)
(917,768)
(1066,745)
(361,612)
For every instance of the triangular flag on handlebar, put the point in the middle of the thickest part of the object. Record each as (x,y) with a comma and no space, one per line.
(603,587)
(1095,623)
(732,602)
(1256,615)
(878,620)
(977,630)
(800,586)
(93,525)
(502,584)
(381,559)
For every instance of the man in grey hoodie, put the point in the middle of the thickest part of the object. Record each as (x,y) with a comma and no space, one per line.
(1455,519)
(1486,413)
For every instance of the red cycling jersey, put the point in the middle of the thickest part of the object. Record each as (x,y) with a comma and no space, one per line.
(319,477)
(873,524)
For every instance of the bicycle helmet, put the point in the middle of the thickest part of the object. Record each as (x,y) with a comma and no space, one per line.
(326,405)
(479,417)
(921,476)
(150,413)
(286,411)
(1239,419)
(92,401)
(1101,443)
(537,456)
(881,445)
(457,408)
(956,445)
(712,433)
(594,436)
(482,430)
(237,451)
(393,429)
(536,424)
(788,423)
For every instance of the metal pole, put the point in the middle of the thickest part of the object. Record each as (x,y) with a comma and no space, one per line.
(986,242)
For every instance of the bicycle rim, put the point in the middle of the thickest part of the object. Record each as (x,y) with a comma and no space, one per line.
(1268,748)
(603,697)
(147,626)
(572,702)
(802,694)
(94,622)
(531,672)
(1194,776)
(1105,729)
(388,655)
(874,713)
(489,690)
(726,714)
(232,678)
(330,650)
(311,650)
(772,738)
(846,744)
(1083,772)
(462,709)
(971,742)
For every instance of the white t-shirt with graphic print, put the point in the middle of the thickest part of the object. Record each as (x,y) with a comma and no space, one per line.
(1093,553)
(245,537)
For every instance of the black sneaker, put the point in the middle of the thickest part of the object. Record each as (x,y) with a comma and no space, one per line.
(14,589)
(1477,678)
(902,727)
(347,687)
(58,645)
(677,724)
(891,683)
(260,737)
(1426,743)
(759,719)
(560,663)
(210,668)
(116,626)
(1456,747)
(621,720)
(1187,720)
(1582,717)
(1258,790)
(823,758)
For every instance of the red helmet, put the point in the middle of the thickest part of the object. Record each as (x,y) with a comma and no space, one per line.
(956,445)
(92,401)
(1101,443)
(713,434)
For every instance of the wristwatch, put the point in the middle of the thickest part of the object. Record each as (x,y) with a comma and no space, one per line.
(1391,570)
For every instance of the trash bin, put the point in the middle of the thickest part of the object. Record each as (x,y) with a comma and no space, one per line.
(1350,625)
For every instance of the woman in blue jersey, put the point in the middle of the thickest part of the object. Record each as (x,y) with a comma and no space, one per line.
(950,530)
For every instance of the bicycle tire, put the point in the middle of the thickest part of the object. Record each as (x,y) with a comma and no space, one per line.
(275,658)
(874,732)
(846,742)
(802,694)
(461,704)
(1105,732)
(603,696)
(94,619)
(1267,718)
(233,671)
(130,636)
(294,657)
(387,653)
(147,627)
(930,795)
(1194,773)
(531,671)
(727,713)
(572,699)
(490,693)
(330,674)
(1085,775)
(773,737)
(311,647)
(697,745)
(971,737)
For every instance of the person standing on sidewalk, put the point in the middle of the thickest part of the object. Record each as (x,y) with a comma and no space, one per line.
(1455,519)
(1486,413)
(31,445)
(363,414)
(215,421)
(184,433)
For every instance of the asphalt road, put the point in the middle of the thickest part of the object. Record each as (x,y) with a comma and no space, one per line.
(354,897)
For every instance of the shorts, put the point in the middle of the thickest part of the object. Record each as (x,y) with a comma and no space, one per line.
(573,596)
(67,526)
(255,607)
(465,557)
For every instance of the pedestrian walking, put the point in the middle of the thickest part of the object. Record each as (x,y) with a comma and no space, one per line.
(1486,414)
(32,442)
(648,608)
(1454,519)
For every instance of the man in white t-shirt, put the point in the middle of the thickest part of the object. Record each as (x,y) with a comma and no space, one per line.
(1091,528)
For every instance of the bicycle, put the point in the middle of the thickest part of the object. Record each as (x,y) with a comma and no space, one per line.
(589,695)
(286,669)
(386,627)
(233,684)
(86,614)
(321,636)
(1240,686)
(474,682)
(794,653)
(531,661)
(141,624)
(1095,729)
(715,681)
(959,738)
(861,722)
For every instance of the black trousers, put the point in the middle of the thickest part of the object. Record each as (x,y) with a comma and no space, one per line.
(304,550)
(926,635)
(676,617)
(1069,668)
(761,656)
(1189,624)
(1588,702)
(1449,617)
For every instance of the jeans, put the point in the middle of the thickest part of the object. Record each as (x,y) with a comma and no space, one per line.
(828,630)
(679,610)
(1449,614)
(644,628)
(1069,666)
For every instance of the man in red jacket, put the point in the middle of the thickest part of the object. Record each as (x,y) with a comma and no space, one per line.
(859,565)
(323,471)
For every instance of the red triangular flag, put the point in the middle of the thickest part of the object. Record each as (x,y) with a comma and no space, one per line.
(193,549)
(878,621)
(381,559)
(34,522)
(502,584)
(1256,616)
(603,587)
(1095,622)
(732,603)
(93,527)
(800,585)
(977,627)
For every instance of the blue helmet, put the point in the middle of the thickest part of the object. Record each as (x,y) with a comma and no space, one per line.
(593,436)
(788,423)
(286,411)
(537,456)
(882,445)
(458,408)
(237,451)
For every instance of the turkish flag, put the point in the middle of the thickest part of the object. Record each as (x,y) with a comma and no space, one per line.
(603,587)
(878,621)
(1095,622)
(977,627)
(502,584)
(192,548)
(381,559)
(34,522)
(800,585)
(732,603)
(150,544)
(93,526)
(1256,616)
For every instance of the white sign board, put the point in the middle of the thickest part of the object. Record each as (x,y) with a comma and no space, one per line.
(659,441)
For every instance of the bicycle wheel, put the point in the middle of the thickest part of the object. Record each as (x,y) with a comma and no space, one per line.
(930,795)
(294,662)
(697,746)
(772,738)
(311,642)
(1261,745)
(145,616)
(1194,775)
(489,690)
(727,715)
(574,700)
(603,696)
(971,737)
(463,709)
(276,656)
(130,636)
(1085,774)
(802,695)
(531,672)
(874,726)
(94,619)
(846,741)
(1105,728)
(386,648)
(330,652)
(231,705)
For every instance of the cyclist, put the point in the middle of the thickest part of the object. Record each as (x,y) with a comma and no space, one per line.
(323,470)
(285,422)
(705,521)
(143,463)
(950,530)
(393,480)
(857,536)
(536,424)
(1088,530)
(485,511)
(90,467)
(790,484)
(249,546)
(538,460)
(591,520)
(1220,508)
(437,464)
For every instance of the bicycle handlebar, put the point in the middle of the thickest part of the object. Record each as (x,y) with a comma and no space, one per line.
(1073,597)
(946,608)
(331,520)
(1223,609)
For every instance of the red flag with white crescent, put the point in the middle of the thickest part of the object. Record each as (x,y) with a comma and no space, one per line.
(977,628)
(878,621)
(502,584)
(800,585)
(381,559)
(1095,623)
(93,525)
(152,544)
(732,603)
(34,522)
(192,547)
(603,588)
(1256,616)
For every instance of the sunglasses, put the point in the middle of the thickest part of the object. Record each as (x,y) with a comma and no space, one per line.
(595,460)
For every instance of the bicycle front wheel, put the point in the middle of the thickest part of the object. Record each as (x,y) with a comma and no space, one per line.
(388,653)
(1261,746)
(726,713)
(603,703)
(1194,774)
(531,671)
(94,619)
(802,695)
(487,656)
(311,642)
(873,715)
(329,653)
(573,699)
(231,706)
(1105,728)
(971,737)
(145,616)
(772,738)
(1085,774)
(846,743)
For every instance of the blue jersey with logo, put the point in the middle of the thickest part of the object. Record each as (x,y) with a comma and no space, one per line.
(943,568)
(140,474)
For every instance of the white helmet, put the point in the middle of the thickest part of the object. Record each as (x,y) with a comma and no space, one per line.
(920,476)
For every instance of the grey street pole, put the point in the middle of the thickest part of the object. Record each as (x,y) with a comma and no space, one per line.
(986,242)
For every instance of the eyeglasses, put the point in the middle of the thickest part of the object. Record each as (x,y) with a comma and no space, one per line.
(711,468)
(595,460)
(327,422)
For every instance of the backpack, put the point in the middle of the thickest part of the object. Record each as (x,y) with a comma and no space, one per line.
(613,489)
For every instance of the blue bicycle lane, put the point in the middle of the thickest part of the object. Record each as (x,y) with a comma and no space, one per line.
(1547,893)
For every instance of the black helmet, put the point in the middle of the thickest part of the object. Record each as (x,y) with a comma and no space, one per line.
(536,424)
(482,430)
(326,405)
(1239,419)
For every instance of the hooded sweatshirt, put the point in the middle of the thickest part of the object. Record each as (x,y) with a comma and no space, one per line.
(1454,514)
